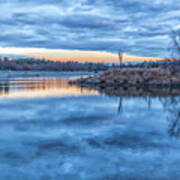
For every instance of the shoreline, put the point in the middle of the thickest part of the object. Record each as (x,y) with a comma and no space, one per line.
(133,82)
(134,91)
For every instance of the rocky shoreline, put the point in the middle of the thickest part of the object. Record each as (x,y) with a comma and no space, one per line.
(134,82)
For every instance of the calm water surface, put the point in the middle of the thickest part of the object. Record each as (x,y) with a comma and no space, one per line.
(50,130)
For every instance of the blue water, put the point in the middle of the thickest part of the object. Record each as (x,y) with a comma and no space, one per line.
(85,135)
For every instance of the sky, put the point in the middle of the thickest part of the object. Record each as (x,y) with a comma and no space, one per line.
(90,29)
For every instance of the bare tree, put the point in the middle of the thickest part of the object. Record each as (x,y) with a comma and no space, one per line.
(175,45)
(174,49)
(120,58)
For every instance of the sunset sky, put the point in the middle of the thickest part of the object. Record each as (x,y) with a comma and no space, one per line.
(72,55)
(88,30)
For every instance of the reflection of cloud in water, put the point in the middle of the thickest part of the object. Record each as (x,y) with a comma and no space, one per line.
(39,87)
(63,137)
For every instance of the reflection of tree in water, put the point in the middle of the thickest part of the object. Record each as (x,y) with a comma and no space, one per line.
(120,105)
(4,87)
(172,106)
(148,99)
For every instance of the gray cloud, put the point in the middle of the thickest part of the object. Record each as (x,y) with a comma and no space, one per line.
(138,27)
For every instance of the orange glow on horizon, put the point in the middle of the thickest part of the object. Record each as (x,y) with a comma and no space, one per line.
(74,55)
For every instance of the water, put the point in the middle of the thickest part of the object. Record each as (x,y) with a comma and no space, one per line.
(50,130)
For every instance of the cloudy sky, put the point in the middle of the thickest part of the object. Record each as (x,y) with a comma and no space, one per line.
(136,27)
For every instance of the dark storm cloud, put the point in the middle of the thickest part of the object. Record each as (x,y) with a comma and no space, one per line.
(135,26)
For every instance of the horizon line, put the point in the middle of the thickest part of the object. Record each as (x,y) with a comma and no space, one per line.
(73,55)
